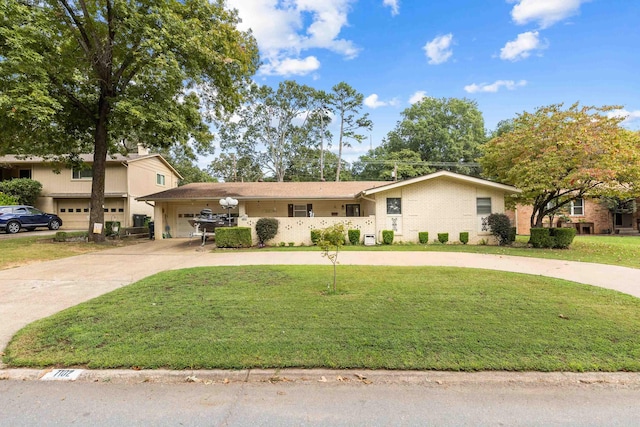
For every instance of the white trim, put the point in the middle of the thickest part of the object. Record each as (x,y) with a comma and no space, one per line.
(458,177)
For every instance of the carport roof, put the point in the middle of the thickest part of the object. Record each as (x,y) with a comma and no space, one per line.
(265,190)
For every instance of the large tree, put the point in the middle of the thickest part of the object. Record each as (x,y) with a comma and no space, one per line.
(380,164)
(448,131)
(345,103)
(271,126)
(556,155)
(83,75)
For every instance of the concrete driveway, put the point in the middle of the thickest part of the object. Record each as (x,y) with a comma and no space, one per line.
(38,290)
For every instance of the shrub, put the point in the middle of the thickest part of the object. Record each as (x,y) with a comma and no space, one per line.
(464,237)
(512,234)
(315,236)
(387,237)
(233,237)
(109,228)
(423,237)
(354,236)
(266,229)
(443,238)
(61,236)
(500,227)
(25,190)
(563,237)
(6,199)
(282,244)
(541,238)
(292,244)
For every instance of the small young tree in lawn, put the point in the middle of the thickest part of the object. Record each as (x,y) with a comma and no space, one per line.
(331,240)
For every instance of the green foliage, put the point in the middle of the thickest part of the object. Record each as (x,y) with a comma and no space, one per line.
(233,237)
(26,191)
(267,133)
(266,229)
(81,77)
(315,236)
(346,103)
(423,237)
(183,159)
(513,232)
(354,237)
(563,237)
(541,238)
(500,227)
(109,226)
(443,238)
(557,155)
(380,164)
(387,236)
(6,199)
(464,237)
(441,130)
(331,240)
(61,236)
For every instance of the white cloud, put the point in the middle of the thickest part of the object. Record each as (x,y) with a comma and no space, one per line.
(372,101)
(522,46)
(291,66)
(438,50)
(629,116)
(495,86)
(284,29)
(393,4)
(544,12)
(417,96)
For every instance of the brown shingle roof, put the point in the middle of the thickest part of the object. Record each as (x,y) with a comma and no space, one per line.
(266,190)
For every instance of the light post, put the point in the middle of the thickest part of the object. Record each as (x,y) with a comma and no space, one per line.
(228,203)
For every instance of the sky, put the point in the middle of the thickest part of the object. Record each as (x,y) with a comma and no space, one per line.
(509,56)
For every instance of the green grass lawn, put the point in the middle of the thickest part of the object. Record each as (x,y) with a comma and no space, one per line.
(425,318)
(26,250)
(615,250)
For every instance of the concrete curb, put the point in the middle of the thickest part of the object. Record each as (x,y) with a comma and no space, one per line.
(346,376)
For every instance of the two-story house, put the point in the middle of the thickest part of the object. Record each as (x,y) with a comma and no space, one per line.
(67,192)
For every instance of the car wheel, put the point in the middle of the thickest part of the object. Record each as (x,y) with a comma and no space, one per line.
(13,227)
(54,224)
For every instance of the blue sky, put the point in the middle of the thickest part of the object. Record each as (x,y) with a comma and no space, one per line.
(509,56)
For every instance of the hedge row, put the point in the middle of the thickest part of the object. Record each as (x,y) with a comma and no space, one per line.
(558,238)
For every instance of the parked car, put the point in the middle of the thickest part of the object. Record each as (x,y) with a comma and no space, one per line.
(13,218)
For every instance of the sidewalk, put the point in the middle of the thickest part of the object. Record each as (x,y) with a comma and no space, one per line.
(40,290)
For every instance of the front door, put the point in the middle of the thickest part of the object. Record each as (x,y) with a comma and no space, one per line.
(353,209)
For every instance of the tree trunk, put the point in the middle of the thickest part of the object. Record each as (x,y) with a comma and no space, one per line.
(96,215)
(339,167)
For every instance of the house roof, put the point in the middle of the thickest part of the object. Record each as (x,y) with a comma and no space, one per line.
(304,190)
(447,175)
(88,158)
(265,190)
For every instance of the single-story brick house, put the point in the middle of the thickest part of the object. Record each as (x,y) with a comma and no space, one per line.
(587,215)
(441,202)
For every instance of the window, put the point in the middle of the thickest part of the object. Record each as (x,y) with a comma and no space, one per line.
(24,173)
(84,173)
(160,179)
(394,206)
(577,207)
(483,205)
(353,210)
(299,210)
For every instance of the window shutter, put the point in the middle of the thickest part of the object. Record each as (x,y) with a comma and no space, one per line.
(290,210)
(309,208)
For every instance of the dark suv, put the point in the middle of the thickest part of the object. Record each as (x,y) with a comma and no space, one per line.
(13,218)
